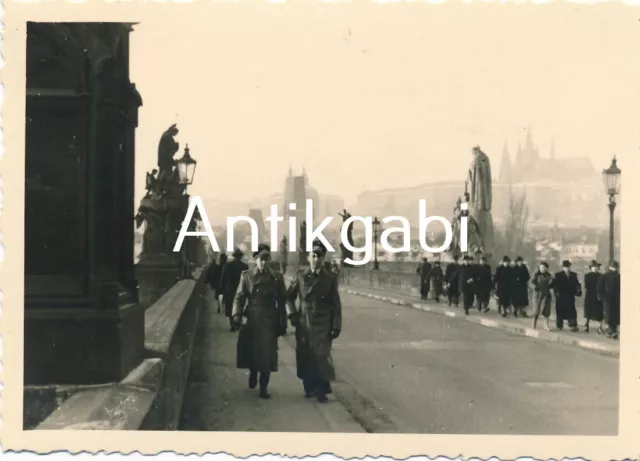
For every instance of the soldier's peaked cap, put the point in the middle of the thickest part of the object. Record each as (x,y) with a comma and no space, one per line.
(263,249)
(566,263)
(506,259)
(319,246)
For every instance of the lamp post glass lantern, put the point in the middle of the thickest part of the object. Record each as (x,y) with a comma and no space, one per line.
(376,226)
(611,179)
(186,167)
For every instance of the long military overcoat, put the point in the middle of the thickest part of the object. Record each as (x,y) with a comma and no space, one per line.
(261,299)
(520,286)
(319,312)
(609,289)
(230,281)
(503,285)
(592,302)
(566,287)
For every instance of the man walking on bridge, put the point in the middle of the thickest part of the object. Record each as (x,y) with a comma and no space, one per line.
(262,291)
(318,322)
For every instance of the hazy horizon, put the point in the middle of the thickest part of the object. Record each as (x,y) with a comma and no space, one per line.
(360,107)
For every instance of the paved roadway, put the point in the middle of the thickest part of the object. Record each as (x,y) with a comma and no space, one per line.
(404,370)
(408,371)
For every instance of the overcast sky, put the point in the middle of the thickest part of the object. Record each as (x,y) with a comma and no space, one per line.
(377,96)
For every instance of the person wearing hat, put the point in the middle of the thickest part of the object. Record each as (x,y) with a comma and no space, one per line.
(520,290)
(436,277)
(214,273)
(483,284)
(261,299)
(542,282)
(566,287)
(610,295)
(229,281)
(502,285)
(467,280)
(424,268)
(592,302)
(318,321)
(452,281)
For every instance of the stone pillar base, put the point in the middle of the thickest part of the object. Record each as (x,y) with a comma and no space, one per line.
(156,274)
(82,345)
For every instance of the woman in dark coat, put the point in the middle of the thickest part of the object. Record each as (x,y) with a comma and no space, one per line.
(452,278)
(592,302)
(610,295)
(502,285)
(437,280)
(542,282)
(520,293)
(214,274)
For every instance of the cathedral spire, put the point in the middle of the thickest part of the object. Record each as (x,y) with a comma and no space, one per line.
(529,142)
(290,171)
(505,165)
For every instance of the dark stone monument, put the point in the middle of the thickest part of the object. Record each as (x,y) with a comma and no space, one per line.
(162,210)
(82,321)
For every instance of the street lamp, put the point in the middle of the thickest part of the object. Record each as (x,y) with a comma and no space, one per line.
(376,225)
(611,178)
(186,166)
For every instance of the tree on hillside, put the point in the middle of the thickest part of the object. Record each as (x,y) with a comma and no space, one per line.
(511,239)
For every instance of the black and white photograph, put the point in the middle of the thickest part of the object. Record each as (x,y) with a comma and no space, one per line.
(348,218)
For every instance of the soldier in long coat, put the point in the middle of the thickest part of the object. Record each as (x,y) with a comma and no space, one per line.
(261,298)
(566,287)
(520,291)
(318,322)
(502,285)
(592,302)
(229,281)
(483,284)
(467,283)
(610,295)
(452,280)
(423,271)
(437,280)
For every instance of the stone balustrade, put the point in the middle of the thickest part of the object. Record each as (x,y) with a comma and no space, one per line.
(150,397)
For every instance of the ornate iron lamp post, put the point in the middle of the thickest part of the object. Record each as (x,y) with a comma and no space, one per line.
(376,226)
(611,178)
(186,166)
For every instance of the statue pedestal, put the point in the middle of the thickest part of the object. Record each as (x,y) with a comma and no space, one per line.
(156,274)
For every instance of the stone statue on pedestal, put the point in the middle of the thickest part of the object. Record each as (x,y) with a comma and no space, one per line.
(152,212)
(167,148)
(478,197)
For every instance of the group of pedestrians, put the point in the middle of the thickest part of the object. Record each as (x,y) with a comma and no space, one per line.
(474,283)
(260,308)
